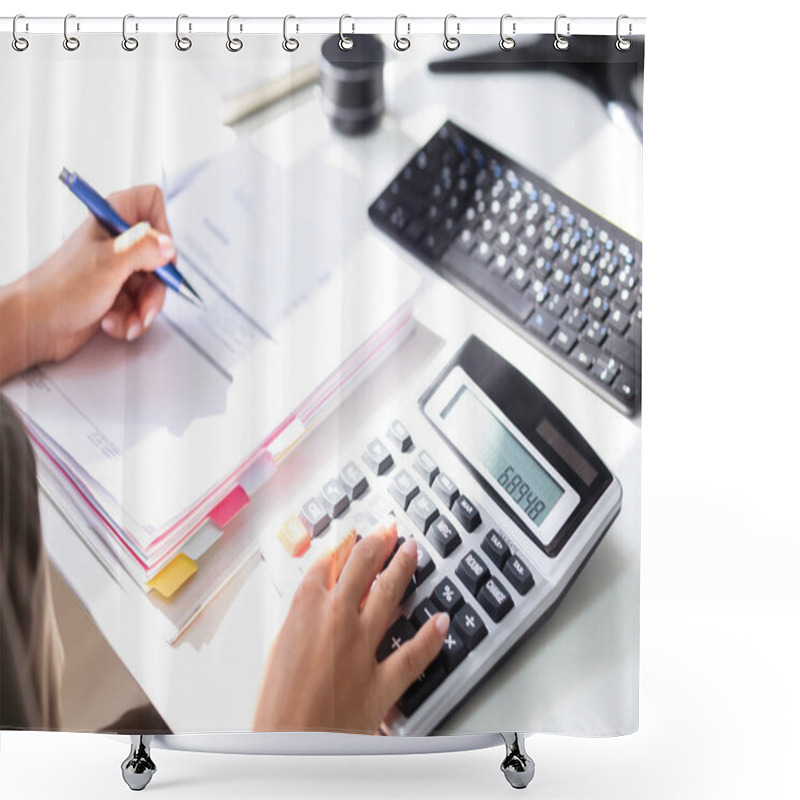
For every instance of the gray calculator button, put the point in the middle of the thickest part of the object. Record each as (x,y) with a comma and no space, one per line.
(443,536)
(519,576)
(423,612)
(354,480)
(470,626)
(496,548)
(426,466)
(399,434)
(495,599)
(315,516)
(446,489)
(466,513)
(425,565)
(447,597)
(454,651)
(472,571)
(403,488)
(422,511)
(378,457)
(334,497)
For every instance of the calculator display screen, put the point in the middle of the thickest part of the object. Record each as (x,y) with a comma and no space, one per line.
(488,440)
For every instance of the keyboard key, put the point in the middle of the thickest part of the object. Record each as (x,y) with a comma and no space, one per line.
(425,565)
(624,351)
(426,466)
(469,626)
(315,517)
(472,572)
(447,597)
(423,612)
(466,513)
(519,576)
(495,546)
(584,353)
(294,537)
(377,457)
(618,321)
(422,511)
(564,340)
(495,599)
(422,688)
(403,488)
(400,436)
(454,651)
(334,497)
(353,479)
(400,631)
(606,369)
(624,387)
(446,489)
(443,536)
(542,324)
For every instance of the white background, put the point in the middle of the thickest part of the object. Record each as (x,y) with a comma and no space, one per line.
(720,556)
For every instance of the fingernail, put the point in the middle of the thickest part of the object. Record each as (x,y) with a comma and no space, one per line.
(134,330)
(442,623)
(129,237)
(148,318)
(166,247)
(107,324)
(410,548)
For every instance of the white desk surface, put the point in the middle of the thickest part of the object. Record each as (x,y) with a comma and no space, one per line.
(579,673)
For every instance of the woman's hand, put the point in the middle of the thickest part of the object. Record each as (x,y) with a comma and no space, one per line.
(93,280)
(322,674)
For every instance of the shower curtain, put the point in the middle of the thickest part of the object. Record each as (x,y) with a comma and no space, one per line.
(230,463)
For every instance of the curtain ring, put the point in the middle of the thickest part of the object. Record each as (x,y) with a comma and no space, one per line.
(345,42)
(401,43)
(289,44)
(622,43)
(451,42)
(233,44)
(183,43)
(129,43)
(507,42)
(19,43)
(560,42)
(71,43)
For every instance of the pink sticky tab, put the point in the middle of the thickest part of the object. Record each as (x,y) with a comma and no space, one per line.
(225,511)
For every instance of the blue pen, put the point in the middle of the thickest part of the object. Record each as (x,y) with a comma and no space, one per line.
(115,225)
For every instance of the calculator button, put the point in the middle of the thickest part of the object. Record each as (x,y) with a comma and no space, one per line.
(294,536)
(496,548)
(423,612)
(422,688)
(519,576)
(422,511)
(454,651)
(315,516)
(447,597)
(397,543)
(443,536)
(399,434)
(469,626)
(466,513)
(410,589)
(425,565)
(472,571)
(403,488)
(353,479)
(426,466)
(446,489)
(400,631)
(495,599)
(378,457)
(334,497)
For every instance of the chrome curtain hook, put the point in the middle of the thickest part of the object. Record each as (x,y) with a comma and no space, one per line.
(345,42)
(560,42)
(289,44)
(129,43)
(507,42)
(19,43)
(622,43)
(451,42)
(71,43)
(401,43)
(183,43)
(233,44)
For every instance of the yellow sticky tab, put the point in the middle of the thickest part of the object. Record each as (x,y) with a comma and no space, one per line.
(174,575)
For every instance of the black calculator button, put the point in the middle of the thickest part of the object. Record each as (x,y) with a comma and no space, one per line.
(334,497)
(425,565)
(454,651)
(426,466)
(443,536)
(447,596)
(378,457)
(496,548)
(519,576)
(399,434)
(495,599)
(353,479)
(315,516)
(397,544)
(469,626)
(410,589)
(422,511)
(400,631)
(446,489)
(466,513)
(422,688)
(403,488)
(423,612)
(472,571)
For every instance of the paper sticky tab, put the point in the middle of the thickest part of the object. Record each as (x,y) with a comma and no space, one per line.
(173,576)
(294,537)
(230,506)
(201,540)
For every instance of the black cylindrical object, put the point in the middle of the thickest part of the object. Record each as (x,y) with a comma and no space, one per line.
(352,83)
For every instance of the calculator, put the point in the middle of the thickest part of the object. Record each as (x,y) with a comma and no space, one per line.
(504,497)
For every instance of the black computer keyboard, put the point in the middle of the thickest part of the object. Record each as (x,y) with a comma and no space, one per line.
(560,275)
